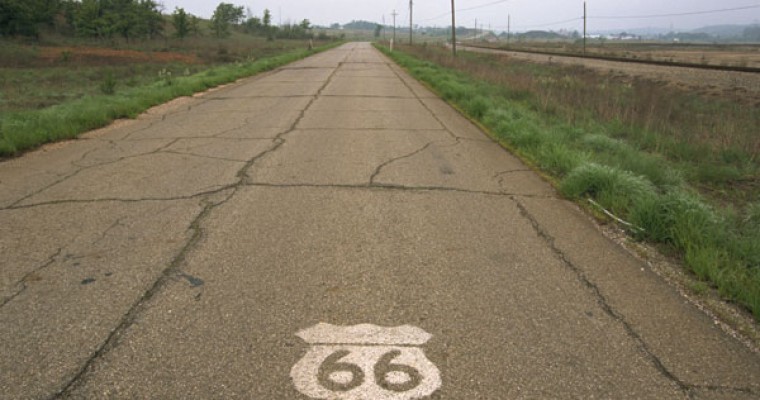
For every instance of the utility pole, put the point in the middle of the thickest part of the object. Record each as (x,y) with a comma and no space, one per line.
(585,18)
(453,29)
(394,25)
(411,26)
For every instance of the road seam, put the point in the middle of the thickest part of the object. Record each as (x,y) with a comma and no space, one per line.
(280,138)
(602,301)
(398,188)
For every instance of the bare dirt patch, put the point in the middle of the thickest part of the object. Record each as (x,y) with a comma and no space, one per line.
(103,56)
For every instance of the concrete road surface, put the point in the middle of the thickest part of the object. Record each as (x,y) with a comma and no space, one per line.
(331,230)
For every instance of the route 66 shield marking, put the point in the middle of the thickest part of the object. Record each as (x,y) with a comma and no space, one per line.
(364,362)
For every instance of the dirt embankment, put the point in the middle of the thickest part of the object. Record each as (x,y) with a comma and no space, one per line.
(104,56)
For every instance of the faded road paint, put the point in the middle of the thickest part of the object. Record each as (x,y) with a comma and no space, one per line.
(365,362)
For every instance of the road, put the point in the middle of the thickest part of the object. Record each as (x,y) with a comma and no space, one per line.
(328,230)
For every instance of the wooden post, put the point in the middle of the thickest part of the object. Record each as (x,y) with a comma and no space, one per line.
(411,23)
(584,27)
(453,29)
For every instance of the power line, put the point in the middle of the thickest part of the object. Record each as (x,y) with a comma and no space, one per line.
(598,17)
(483,5)
(677,14)
(466,9)
(548,24)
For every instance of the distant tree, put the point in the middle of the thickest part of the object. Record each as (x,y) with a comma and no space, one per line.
(181,23)
(123,18)
(752,33)
(335,26)
(378,30)
(225,15)
(24,17)
(106,18)
(254,26)
(131,18)
(288,30)
(150,19)
(88,20)
(360,25)
(194,25)
(267,19)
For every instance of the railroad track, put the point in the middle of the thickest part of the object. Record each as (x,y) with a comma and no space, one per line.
(617,59)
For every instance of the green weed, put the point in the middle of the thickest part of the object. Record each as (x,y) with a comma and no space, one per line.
(615,189)
(165,76)
(108,85)
(558,159)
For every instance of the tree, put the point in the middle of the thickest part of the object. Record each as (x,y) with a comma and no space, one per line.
(267,19)
(23,17)
(181,22)
(127,18)
(752,33)
(267,22)
(253,25)
(151,19)
(88,19)
(225,15)
(195,25)
(378,30)
(305,25)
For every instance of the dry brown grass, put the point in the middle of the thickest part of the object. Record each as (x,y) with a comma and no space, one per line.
(657,116)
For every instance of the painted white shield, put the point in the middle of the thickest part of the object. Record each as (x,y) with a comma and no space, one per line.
(365,362)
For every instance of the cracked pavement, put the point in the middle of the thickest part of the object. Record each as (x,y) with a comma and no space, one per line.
(177,255)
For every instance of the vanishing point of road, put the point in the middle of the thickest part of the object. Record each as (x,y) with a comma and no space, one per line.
(329,230)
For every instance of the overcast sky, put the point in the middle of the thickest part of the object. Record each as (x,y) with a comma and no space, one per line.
(526,14)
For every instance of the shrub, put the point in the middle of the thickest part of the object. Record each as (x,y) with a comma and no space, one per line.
(108,86)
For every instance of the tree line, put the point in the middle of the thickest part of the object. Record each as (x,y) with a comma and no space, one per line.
(133,19)
(228,16)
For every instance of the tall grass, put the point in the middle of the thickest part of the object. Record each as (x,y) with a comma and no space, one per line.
(24,130)
(631,150)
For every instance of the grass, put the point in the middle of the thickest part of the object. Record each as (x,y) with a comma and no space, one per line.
(682,169)
(27,89)
(103,98)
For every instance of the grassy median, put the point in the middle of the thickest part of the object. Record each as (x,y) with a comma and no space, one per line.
(682,170)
